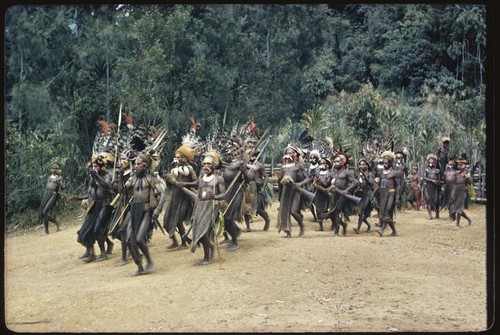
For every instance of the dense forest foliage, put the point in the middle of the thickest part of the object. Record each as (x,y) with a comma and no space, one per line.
(355,73)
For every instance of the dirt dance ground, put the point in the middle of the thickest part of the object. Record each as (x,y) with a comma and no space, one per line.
(429,278)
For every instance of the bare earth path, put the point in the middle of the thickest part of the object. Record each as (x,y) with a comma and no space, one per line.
(429,278)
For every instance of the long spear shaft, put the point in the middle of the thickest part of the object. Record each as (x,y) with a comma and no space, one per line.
(117,139)
(213,227)
(121,215)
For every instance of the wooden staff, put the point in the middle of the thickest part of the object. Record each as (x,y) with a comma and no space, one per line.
(117,139)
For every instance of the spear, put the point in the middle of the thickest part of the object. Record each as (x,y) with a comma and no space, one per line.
(117,139)
(214,228)
(121,215)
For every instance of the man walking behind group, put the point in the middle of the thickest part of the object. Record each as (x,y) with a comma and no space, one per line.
(55,184)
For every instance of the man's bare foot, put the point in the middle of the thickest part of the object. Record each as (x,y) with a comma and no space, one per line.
(109,250)
(457,228)
(212,252)
(356,230)
(148,269)
(302,231)
(204,262)
(122,262)
(90,258)
(174,245)
(233,247)
(380,232)
(102,257)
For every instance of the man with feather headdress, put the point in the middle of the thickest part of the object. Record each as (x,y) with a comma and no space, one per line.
(321,182)
(233,172)
(144,208)
(432,188)
(121,215)
(99,209)
(365,185)
(211,191)
(388,182)
(342,183)
(181,204)
(293,175)
(256,176)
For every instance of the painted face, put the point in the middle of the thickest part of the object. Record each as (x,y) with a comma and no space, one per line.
(140,165)
(338,163)
(179,159)
(96,167)
(208,167)
(287,159)
(322,165)
(431,162)
(124,163)
(55,170)
(387,163)
(363,166)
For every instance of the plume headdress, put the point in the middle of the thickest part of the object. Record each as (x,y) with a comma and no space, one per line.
(103,147)
(131,141)
(228,144)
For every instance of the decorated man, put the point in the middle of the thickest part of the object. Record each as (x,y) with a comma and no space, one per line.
(182,199)
(291,178)
(388,186)
(365,186)
(449,180)
(400,167)
(99,209)
(459,193)
(207,221)
(432,178)
(442,157)
(55,184)
(121,215)
(415,193)
(144,208)
(342,183)
(256,176)
(320,183)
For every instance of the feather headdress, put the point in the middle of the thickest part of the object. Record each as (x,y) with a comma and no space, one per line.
(229,145)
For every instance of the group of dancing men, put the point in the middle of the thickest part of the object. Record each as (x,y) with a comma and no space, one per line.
(208,196)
